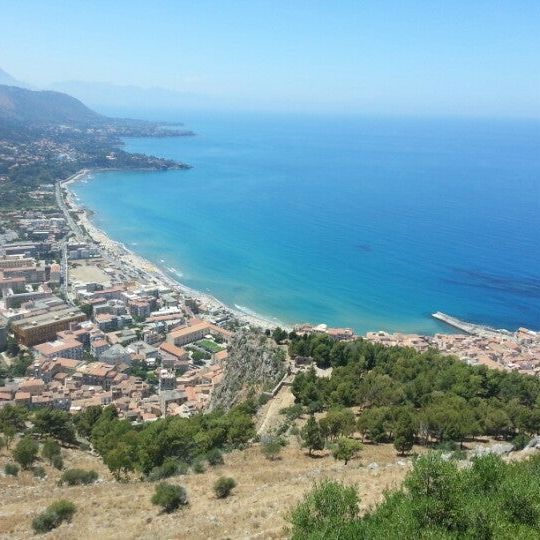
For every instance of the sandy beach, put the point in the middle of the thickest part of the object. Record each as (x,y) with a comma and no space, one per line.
(118,252)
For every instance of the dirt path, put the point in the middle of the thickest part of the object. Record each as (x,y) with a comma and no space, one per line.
(270,418)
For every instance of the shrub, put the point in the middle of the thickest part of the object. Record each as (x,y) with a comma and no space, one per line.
(78,477)
(50,450)
(223,487)
(328,509)
(214,457)
(447,446)
(520,441)
(25,453)
(271,446)
(198,467)
(170,467)
(57,462)
(169,496)
(53,516)
(39,472)
(11,469)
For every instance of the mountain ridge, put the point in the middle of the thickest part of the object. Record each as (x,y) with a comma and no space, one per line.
(44,107)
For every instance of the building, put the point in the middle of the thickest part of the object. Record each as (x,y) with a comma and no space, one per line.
(98,346)
(65,348)
(167,380)
(15,262)
(55,273)
(195,332)
(116,355)
(11,284)
(3,333)
(40,326)
(32,274)
(173,357)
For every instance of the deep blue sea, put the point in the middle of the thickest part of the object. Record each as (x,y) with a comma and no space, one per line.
(368,223)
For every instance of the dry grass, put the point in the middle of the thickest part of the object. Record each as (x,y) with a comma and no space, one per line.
(88,271)
(266,491)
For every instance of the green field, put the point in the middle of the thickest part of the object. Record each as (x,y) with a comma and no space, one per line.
(209,345)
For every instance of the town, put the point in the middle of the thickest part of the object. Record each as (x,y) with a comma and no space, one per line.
(84,321)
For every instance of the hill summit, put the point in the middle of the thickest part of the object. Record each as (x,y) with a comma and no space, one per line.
(44,107)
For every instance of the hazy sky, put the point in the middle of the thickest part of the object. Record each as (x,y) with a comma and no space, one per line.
(426,57)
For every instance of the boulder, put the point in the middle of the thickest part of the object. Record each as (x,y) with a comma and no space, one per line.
(499,449)
(534,442)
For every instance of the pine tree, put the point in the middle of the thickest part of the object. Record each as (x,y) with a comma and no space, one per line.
(312,435)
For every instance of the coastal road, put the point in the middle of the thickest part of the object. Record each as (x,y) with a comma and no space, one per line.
(61,204)
(65,274)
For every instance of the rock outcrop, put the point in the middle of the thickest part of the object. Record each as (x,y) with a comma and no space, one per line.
(255,365)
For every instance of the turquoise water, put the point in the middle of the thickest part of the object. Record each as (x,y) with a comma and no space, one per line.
(355,222)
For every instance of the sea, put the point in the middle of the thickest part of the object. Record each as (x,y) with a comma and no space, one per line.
(369,223)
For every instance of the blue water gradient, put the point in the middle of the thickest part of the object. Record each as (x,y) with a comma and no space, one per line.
(369,223)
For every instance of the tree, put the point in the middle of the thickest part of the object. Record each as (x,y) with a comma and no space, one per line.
(55,423)
(338,422)
(279,335)
(404,434)
(25,452)
(9,435)
(21,364)
(312,436)
(373,422)
(87,309)
(346,449)
(14,417)
(12,346)
(50,450)
(329,510)
(271,446)
(85,420)
(223,487)
(169,496)
(120,460)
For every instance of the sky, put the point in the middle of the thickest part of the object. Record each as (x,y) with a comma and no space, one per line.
(431,57)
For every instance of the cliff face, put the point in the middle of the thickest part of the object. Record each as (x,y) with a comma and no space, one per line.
(255,364)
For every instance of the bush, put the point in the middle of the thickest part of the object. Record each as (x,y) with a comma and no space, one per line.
(50,450)
(57,462)
(214,457)
(170,467)
(78,477)
(39,472)
(330,508)
(447,446)
(169,496)
(53,516)
(520,441)
(224,486)
(25,453)
(198,467)
(271,446)
(11,469)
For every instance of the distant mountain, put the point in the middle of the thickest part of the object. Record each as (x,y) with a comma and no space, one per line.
(44,107)
(110,98)
(7,79)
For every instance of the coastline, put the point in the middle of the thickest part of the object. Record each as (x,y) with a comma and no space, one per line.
(145,268)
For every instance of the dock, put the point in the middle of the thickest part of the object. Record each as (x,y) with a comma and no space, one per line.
(470,328)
